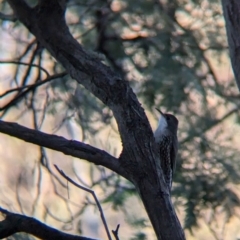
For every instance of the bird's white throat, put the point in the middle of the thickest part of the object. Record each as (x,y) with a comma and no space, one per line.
(162,124)
(162,127)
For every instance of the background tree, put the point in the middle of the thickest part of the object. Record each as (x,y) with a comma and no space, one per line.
(168,53)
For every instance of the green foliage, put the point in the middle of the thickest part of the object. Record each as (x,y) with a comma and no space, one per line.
(139,236)
(20,236)
(119,195)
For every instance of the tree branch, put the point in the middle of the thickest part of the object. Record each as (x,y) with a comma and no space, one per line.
(68,147)
(14,223)
(115,232)
(30,87)
(25,64)
(94,196)
(34,85)
(48,25)
(139,158)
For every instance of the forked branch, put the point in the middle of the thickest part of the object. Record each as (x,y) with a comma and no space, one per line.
(94,196)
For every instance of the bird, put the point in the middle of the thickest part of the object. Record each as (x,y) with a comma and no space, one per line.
(167,145)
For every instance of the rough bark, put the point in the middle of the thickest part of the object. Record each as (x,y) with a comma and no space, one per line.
(138,162)
(231,10)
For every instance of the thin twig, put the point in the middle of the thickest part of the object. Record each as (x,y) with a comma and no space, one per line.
(34,85)
(94,196)
(30,88)
(115,232)
(25,64)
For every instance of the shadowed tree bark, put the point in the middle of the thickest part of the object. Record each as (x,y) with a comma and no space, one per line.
(138,162)
(231,10)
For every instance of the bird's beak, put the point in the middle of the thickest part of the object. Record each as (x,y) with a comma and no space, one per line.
(160,111)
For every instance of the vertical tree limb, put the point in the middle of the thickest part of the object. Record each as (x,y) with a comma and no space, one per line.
(231,10)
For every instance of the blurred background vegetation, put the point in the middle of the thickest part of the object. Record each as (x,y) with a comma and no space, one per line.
(175,55)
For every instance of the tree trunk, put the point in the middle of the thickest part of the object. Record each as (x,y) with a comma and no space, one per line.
(231,10)
(139,161)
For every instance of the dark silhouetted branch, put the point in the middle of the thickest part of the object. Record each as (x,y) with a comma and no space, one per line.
(231,10)
(35,85)
(139,161)
(14,223)
(30,88)
(25,64)
(68,147)
(115,232)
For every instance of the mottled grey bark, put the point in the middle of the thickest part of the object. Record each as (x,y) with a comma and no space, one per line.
(231,10)
(138,161)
